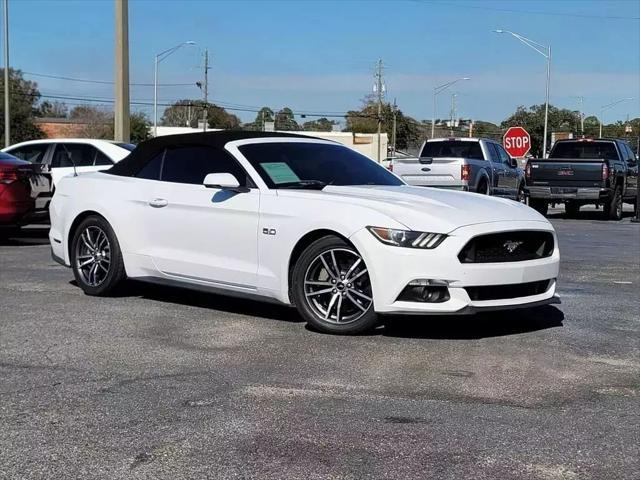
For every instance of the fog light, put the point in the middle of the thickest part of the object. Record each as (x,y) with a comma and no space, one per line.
(425,291)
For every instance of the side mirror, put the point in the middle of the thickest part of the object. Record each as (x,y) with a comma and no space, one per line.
(513,162)
(224,181)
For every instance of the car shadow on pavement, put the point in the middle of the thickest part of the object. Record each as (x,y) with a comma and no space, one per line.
(473,327)
(29,236)
(208,300)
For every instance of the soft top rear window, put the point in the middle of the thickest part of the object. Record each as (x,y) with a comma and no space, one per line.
(582,149)
(452,148)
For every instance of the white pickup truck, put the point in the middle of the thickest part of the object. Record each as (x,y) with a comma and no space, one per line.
(469,164)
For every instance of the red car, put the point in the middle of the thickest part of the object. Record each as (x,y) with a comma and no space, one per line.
(24,192)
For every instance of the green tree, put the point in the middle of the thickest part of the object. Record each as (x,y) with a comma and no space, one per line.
(265,114)
(139,127)
(285,120)
(220,118)
(486,129)
(365,120)
(24,96)
(53,109)
(320,125)
(560,119)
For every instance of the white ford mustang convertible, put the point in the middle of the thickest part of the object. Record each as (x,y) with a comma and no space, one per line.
(303,222)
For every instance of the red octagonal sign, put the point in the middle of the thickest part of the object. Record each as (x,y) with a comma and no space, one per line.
(517,141)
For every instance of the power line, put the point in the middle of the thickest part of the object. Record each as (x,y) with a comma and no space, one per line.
(104,82)
(148,103)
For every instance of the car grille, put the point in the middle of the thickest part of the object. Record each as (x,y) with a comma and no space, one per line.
(500,292)
(516,246)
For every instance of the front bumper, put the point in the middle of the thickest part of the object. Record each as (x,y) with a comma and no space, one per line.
(392,268)
(567,193)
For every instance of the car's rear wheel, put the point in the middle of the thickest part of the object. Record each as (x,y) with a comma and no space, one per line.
(96,258)
(331,288)
(613,206)
(540,206)
(521,197)
(483,187)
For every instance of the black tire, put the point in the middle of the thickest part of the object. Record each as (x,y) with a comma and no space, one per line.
(521,196)
(571,209)
(115,272)
(483,187)
(613,206)
(362,317)
(539,205)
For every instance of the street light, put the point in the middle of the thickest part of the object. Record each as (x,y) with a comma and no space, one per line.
(607,107)
(436,91)
(159,57)
(541,50)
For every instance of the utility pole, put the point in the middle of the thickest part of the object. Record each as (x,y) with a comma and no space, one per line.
(581,103)
(122,120)
(7,113)
(395,114)
(378,90)
(205,112)
(453,111)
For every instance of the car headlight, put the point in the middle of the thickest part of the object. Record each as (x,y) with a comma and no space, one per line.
(407,238)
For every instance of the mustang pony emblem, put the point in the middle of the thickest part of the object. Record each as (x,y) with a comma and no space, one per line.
(511,245)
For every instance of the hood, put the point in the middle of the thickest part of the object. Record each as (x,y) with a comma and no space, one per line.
(427,209)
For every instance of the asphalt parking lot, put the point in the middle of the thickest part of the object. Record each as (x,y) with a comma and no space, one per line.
(167,383)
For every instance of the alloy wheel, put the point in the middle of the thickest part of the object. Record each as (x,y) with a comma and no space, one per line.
(93,256)
(337,287)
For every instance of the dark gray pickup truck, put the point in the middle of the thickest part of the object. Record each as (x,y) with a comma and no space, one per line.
(585,171)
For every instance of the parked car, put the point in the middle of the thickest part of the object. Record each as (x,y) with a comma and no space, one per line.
(584,171)
(468,164)
(24,192)
(299,221)
(60,155)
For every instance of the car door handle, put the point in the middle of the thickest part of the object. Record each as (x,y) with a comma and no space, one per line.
(158,203)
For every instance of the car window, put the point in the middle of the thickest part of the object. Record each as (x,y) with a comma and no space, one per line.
(152,169)
(102,159)
(627,153)
(494,156)
(592,150)
(502,153)
(289,163)
(452,148)
(31,153)
(70,154)
(191,164)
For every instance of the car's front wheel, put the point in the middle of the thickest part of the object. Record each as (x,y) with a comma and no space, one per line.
(331,288)
(96,258)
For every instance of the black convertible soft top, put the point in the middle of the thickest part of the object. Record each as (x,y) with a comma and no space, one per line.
(149,148)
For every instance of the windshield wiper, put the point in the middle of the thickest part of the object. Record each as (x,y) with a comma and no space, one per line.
(304,184)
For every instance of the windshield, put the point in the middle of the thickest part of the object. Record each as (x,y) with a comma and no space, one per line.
(588,150)
(452,148)
(304,165)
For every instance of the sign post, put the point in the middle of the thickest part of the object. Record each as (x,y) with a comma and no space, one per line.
(517,142)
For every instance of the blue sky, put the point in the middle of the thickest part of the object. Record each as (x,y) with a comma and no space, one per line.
(319,56)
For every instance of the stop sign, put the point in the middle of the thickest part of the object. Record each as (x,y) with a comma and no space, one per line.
(517,141)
